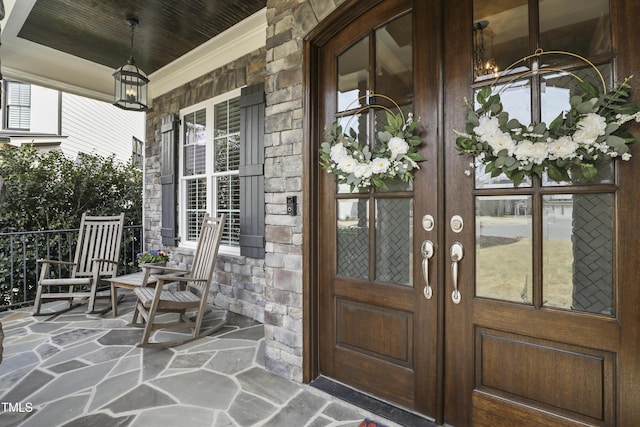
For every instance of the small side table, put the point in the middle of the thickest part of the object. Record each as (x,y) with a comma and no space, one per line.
(129,281)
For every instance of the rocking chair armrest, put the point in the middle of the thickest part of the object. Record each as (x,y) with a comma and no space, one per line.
(172,269)
(54,261)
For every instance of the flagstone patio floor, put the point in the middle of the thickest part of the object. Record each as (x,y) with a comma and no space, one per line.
(78,369)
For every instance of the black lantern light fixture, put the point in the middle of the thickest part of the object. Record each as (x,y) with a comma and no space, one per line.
(131,82)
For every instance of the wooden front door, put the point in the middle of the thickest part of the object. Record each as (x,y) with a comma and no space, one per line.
(533,315)
(373,309)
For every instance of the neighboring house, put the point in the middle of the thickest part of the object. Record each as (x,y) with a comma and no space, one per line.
(51,119)
(462,302)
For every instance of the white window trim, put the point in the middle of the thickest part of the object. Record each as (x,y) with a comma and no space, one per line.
(182,199)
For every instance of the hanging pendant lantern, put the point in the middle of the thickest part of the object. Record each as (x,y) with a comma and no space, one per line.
(131,82)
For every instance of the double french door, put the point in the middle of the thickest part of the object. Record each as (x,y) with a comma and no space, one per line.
(457,295)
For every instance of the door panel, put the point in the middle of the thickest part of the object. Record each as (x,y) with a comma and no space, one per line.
(570,380)
(541,280)
(376,321)
(546,328)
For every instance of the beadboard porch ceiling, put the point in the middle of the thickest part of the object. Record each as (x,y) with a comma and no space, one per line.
(76,45)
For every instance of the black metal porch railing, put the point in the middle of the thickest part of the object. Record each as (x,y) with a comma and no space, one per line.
(19,252)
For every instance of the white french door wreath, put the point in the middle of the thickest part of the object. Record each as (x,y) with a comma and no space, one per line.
(393,157)
(593,131)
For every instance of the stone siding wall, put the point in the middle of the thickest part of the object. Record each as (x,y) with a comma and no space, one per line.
(288,22)
(239,281)
(268,290)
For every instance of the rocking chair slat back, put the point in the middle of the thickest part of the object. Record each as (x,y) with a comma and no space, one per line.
(99,238)
(205,257)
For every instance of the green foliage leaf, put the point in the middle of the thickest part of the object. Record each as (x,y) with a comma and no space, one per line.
(48,191)
(584,107)
(589,171)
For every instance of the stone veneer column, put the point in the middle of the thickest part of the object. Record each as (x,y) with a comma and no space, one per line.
(288,22)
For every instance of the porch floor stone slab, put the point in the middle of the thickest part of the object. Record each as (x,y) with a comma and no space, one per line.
(79,369)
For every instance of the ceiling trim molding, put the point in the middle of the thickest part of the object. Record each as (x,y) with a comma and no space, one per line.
(239,40)
(56,84)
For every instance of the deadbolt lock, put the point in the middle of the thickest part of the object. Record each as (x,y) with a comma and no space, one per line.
(457,224)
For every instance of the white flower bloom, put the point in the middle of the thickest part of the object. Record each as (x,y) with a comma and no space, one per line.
(409,119)
(527,151)
(397,146)
(487,128)
(363,170)
(562,148)
(625,156)
(501,142)
(590,127)
(380,165)
(347,164)
(412,163)
(338,151)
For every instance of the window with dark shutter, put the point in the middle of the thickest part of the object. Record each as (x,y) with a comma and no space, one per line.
(252,105)
(169,129)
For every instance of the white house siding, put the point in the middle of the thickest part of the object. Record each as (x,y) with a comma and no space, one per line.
(44,110)
(98,127)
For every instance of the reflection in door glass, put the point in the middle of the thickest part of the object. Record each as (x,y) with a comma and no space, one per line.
(500,35)
(353,75)
(556,90)
(516,100)
(504,248)
(353,238)
(394,58)
(560,23)
(394,240)
(578,252)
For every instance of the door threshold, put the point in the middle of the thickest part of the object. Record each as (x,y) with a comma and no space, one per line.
(371,404)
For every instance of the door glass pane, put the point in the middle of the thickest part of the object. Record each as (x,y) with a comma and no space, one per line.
(353,238)
(578,26)
(394,58)
(578,252)
(504,248)
(500,35)
(381,122)
(353,75)
(394,240)
(556,90)
(359,124)
(516,100)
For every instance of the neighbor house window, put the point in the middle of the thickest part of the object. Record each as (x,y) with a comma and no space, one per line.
(137,152)
(17,106)
(209,167)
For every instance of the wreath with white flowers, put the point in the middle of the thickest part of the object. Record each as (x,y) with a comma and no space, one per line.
(394,156)
(593,132)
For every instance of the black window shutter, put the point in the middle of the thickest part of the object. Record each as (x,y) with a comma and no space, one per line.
(169,129)
(252,104)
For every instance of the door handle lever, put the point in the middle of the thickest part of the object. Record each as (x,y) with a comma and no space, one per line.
(427,253)
(456,252)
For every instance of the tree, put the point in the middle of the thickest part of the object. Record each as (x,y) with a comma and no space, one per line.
(48,191)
